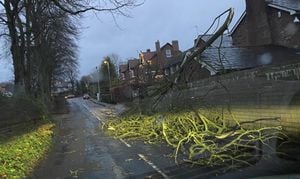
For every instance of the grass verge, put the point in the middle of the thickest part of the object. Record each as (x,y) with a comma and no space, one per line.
(21,149)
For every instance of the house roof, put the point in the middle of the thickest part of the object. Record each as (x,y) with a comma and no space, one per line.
(225,42)
(233,58)
(148,55)
(123,68)
(288,5)
(167,44)
(250,57)
(133,63)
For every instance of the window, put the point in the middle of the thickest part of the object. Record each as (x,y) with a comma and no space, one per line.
(168,53)
(132,74)
(296,20)
(166,72)
(172,70)
(122,76)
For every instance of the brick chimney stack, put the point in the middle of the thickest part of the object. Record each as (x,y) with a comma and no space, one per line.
(258,29)
(157,46)
(175,45)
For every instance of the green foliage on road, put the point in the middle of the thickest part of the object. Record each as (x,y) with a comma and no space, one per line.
(196,138)
(21,150)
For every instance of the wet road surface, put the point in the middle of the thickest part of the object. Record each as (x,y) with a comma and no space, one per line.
(82,150)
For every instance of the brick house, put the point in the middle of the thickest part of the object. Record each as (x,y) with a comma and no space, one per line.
(129,70)
(268,33)
(150,63)
(138,73)
(124,72)
(161,56)
(269,22)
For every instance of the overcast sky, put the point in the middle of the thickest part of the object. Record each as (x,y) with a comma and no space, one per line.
(163,20)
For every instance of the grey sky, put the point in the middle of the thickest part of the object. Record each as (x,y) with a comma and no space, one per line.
(163,20)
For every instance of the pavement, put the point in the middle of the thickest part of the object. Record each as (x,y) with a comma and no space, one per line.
(82,150)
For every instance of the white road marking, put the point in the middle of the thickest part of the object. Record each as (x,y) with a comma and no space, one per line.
(95,115)
(153,165)
(128,145)
(124,142)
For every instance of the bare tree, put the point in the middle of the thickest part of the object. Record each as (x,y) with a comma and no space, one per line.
(42,37)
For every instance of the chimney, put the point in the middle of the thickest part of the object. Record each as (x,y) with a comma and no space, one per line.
(175,45)
(148,50)
(157,46)
(259,31)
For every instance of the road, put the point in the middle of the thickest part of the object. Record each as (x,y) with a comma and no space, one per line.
(82,150)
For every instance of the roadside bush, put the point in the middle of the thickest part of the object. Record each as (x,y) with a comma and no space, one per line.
(20,108)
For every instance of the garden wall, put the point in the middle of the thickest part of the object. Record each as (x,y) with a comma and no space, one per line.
(271,93)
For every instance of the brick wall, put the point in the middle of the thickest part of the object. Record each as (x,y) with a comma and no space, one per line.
(284,31)
(251,95)
(240,35)
(254,30)
(265,25)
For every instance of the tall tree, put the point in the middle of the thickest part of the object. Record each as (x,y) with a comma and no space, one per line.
(42,36)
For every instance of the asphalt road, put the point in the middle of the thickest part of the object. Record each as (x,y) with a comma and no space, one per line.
(82,150)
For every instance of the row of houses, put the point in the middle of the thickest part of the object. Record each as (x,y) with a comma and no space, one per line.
(150,63)
(267,34)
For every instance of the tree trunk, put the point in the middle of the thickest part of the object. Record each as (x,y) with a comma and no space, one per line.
(11,10)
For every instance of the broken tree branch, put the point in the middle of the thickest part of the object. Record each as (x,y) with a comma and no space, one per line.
(194,52)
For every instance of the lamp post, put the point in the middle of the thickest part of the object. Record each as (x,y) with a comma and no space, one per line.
(98,76)
(107,63)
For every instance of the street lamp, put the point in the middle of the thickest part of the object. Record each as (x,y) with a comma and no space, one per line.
(98,76)
(107,63)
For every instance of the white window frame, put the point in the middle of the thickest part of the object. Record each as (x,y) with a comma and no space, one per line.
(172,70)
(279,14)
(132,73)
(166,72)
(122,76)
(168,53)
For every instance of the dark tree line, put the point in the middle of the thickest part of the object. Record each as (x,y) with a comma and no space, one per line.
(42,36)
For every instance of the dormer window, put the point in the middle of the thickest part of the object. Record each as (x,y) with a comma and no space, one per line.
(168,53)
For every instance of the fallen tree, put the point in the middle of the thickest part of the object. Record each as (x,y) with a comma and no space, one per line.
(196,138)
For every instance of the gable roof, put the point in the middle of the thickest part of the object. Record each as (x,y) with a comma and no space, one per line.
(133,63)
(167,44)
(123,68)
(148,55)
(292,6)
(153,54)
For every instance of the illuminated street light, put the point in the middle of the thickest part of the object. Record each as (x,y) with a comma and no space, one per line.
(98,76)
(107,63)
